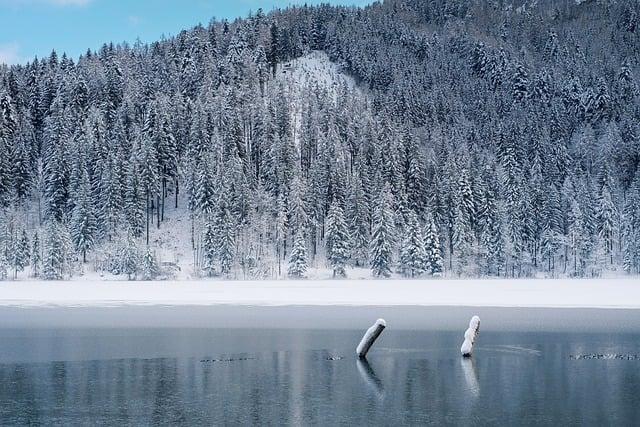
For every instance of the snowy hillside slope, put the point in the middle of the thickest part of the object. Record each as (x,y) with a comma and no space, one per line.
(313,71)
(315,68)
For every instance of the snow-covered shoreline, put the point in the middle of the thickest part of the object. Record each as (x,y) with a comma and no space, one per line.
(532,293)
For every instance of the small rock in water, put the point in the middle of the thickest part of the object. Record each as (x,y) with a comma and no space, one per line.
(606,356)
(335,358)
(237,359)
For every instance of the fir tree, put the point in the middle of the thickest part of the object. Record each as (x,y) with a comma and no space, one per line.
(83,220)
(337,240)
(54,253)
(298,257)
(382,237)
(491,235)
(134,200)
(225,237)
(432,248)
(4,266)
(413,255)
(150,268)
(36,256)
(606,213)
(129,257)
(209,248)
(20,253)
(358,219)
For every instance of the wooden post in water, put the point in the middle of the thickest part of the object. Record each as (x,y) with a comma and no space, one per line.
(470,336)
(370,337)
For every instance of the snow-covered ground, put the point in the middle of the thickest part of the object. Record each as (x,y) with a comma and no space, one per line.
(313,70)
(597,293)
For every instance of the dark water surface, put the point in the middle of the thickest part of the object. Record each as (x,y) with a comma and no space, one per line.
(88,375)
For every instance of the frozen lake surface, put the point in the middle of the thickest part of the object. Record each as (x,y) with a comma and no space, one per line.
(296,365)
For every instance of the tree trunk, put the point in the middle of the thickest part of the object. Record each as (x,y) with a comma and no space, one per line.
(164,195)
(177,191)
(147,217)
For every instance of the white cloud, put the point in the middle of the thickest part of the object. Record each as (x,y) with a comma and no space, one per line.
(133,20)
(9,53)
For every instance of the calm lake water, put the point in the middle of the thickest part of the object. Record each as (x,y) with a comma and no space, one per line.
(301,376)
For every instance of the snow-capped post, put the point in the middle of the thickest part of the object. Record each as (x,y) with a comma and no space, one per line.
(470,336)
(370,337)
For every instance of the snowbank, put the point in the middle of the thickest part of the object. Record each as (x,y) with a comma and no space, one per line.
(601,293)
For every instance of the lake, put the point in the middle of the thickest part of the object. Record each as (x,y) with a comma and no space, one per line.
(296,365)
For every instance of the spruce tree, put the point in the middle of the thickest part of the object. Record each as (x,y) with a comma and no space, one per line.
(631,228)
(435,263)
(129,257)
(36,256)
(225,236)
(491,235)
(134,200)
(4,266)
(413,254)
(298,257)
(150,268)
(358,219)
(337,240)
(83,220)
(606,216)
(382,237)
(54,253)
(20,253)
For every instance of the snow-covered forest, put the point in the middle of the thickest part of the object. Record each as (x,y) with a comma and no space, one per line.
(456,138)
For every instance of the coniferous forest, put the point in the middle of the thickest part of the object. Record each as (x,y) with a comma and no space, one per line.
(480,138)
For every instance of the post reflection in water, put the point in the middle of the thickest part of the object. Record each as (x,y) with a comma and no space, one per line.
(470,376)
(300,385)
(370,378)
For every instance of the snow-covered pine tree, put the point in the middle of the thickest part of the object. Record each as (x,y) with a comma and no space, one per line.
(209,247)
(382,237)
(297,206)
(225,236)
(631,228)
(83,219)
(20,253)
(606,217)
(413,254)
(205,188)
(280,229)
(111,197)
(358,219)
(129,257)
(298,257)
(36,256)
(462,238)
(491,234)
(54,253)
(337,240)
(134,203)
(150,267)
(4,266)
(520,82)
(435,263)
(149,175)
(5,249)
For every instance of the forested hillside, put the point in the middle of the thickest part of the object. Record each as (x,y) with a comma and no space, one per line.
(481,138)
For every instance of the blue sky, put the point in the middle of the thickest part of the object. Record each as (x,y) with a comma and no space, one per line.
(31,28)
